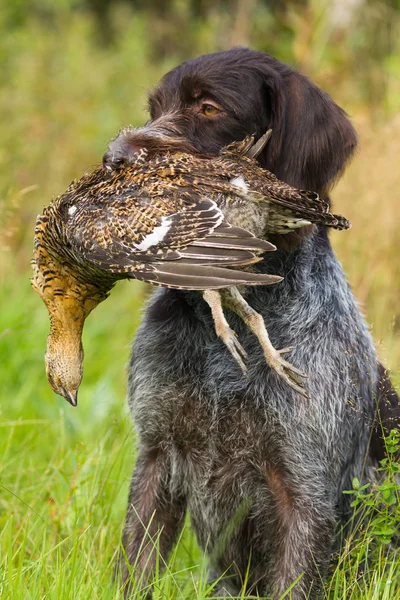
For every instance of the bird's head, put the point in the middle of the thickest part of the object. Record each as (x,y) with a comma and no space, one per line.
(68,302)
(69,295)
(64,352)
(64,358)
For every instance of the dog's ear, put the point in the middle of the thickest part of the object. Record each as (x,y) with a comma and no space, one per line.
(312,137)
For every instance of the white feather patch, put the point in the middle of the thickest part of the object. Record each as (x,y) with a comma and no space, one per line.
(300,223)
(156,236)
(240,183)
(72,210)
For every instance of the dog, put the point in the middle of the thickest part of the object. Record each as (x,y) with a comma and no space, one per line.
(260,468)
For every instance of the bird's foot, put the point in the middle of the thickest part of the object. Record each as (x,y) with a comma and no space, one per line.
(286,371)
(273,357)
(222,329)
(231,341)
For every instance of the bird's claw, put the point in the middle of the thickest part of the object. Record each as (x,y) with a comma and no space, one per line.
(230,339)
(294,370)
(289,373)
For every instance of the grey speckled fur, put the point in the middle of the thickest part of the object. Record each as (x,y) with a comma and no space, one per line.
(255,462)
(260,468)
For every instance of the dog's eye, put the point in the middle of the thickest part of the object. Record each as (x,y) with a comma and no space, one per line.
(209,110)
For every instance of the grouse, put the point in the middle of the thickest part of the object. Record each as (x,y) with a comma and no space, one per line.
(176,220)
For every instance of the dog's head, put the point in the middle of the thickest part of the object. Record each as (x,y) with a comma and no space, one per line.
(215,99)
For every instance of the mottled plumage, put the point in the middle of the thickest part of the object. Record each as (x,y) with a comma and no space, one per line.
(175,220)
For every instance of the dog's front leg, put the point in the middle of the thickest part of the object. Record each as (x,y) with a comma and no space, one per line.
(154,519)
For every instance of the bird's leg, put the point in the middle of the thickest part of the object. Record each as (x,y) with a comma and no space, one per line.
(222,329)
(291,375)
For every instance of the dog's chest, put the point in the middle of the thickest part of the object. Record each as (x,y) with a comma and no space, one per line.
(203,433)
(186,390)
(191,409)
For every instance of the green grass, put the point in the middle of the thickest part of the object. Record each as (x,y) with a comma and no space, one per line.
(64,472)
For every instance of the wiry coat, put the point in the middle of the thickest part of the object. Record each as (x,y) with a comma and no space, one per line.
(275,466)
(261,470)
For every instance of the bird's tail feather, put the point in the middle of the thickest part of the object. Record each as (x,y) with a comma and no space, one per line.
(252,244)
(188,276)
(213,256)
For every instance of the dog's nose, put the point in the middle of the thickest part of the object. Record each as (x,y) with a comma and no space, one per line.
(110,161)
(120,153)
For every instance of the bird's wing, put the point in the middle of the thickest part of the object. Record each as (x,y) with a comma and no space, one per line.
(288,208)
(162,239)
(234,174)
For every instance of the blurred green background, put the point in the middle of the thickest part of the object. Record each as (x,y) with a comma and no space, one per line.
(72,72)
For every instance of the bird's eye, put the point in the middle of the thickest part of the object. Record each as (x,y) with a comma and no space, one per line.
(209,110)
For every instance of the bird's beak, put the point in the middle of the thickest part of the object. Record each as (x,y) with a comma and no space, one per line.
(71,397)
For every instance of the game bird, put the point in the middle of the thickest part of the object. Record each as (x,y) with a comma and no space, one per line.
(177,220)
